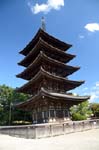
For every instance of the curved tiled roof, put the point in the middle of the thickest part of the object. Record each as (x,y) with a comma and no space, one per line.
(70,99)
(69,84)
(40,46)
(48,38)
(29,72)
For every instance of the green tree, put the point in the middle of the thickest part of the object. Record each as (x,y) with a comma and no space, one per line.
(95,109)
(81,111)
(8,99)
(20,116)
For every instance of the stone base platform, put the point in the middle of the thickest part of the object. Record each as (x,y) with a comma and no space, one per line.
(49,129)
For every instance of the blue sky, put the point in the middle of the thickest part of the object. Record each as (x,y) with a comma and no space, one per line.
(75,22)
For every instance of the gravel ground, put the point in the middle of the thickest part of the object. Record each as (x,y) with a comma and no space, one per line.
(87,140)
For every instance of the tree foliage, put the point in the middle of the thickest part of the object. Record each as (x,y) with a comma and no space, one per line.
(81,111)
(8,112)
(95,109)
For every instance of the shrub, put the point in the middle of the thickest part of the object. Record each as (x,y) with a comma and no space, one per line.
(78,116)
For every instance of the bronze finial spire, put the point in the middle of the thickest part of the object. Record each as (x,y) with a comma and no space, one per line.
(43,26)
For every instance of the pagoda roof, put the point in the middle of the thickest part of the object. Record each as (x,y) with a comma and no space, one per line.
(42,74)
(40,46)
(46,37)
(29,72)
(50,96)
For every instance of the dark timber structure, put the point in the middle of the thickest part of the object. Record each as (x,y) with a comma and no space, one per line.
(47,74)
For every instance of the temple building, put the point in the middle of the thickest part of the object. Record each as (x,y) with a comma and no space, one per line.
(46,71)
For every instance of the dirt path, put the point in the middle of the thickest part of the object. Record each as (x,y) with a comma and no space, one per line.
(88,140)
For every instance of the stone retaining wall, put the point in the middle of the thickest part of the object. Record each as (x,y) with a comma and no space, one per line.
(47,130)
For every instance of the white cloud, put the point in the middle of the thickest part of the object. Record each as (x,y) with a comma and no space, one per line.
(93,97)
(40,8)
(92,27)
(55,4)
(84,89)
(92,91)
(97,84)
(81,36)
(46,7)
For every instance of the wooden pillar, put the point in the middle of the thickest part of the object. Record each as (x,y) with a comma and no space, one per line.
(43,117)
(55,113)
(49,115)
(54,120)
(33,116)
(64,113)
(68,113)
(36,116)
(42,114)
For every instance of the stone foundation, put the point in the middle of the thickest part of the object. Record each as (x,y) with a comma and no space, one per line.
(49,129)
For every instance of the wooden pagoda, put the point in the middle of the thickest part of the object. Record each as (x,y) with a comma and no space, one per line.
(47,74)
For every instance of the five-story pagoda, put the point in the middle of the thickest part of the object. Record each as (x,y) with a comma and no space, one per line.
(47,74)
